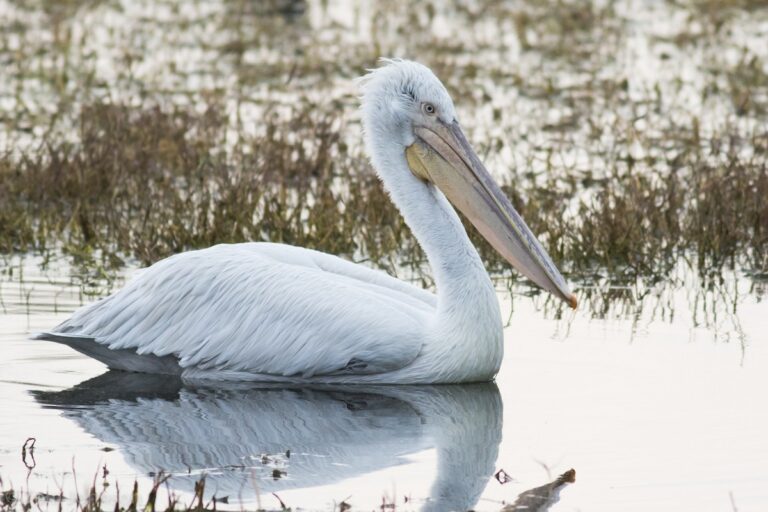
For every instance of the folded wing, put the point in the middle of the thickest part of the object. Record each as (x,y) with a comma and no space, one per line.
(259,309)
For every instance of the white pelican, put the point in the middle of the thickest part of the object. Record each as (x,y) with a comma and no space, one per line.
(271,312)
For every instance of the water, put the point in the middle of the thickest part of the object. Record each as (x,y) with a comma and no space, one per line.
(661,412)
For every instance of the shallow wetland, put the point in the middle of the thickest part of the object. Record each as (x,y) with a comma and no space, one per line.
(632,137)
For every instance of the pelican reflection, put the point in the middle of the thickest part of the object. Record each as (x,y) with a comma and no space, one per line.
(290,437)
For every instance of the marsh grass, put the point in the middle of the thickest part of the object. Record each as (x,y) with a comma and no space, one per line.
(145,183)
(99,494)
(148,183)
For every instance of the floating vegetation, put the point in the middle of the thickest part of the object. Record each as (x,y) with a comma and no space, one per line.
(542,497)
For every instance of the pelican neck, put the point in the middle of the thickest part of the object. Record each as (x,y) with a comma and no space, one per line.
(460,276)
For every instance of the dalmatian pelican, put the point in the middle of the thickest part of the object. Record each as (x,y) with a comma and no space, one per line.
(273,312)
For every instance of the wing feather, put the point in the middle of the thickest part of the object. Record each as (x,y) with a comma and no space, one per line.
(262,309)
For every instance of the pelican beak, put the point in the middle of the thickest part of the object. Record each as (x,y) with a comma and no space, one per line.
(442,156)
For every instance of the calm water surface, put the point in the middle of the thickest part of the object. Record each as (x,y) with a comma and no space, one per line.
(660,412)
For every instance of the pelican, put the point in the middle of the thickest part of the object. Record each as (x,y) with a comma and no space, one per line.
(272,312)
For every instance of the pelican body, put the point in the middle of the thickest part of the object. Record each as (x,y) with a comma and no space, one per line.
(272,312)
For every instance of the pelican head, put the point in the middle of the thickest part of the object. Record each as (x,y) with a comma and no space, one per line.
(407,112)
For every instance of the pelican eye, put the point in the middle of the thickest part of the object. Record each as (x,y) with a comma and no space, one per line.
(428,109)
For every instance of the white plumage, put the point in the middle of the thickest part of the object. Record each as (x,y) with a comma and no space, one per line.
(261,311)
